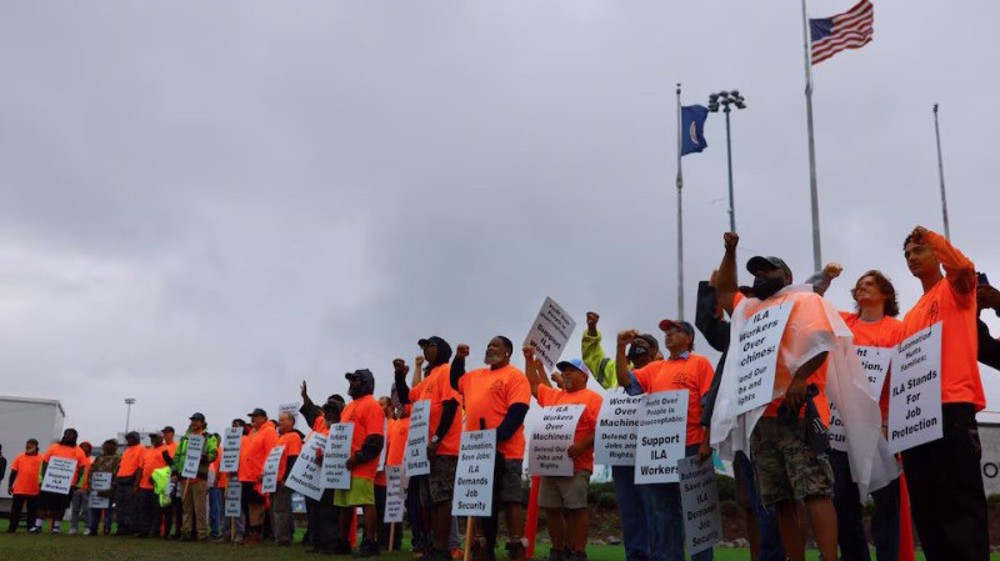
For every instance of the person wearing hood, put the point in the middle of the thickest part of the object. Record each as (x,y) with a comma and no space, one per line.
(262,438)
(498,397)
(644,349)
(107,463)
(53,505)
(195,490)
(445,436)
(24,485)
(366,446)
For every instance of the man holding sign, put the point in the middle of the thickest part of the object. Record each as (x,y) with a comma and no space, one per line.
(194,487)
(253,454)
(946,488)
(497,397)
(564,498)
(366,446)
(682,370)
(57,486)
(779,354)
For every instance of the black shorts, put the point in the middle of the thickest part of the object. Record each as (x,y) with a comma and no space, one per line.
(54,502)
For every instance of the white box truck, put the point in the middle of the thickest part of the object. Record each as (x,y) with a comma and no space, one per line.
(22,418)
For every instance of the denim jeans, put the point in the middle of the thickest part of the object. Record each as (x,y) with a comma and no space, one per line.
(80,507)
(665,520)
(95,519)
(767,519)
(215,510)
(635,537)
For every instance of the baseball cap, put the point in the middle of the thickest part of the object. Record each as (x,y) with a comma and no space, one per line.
(573,363)
(358,374)
(156,434)
(762,263)
(257,412)
(684,326)
(197,417)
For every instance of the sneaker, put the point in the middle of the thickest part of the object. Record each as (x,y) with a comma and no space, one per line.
(87,532)
(72,531)
(35,530)
(55,531)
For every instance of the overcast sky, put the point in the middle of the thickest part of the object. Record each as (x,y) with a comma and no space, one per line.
(202,204)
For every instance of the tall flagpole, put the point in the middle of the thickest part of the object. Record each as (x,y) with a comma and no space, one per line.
(807,46)
(944,201)
(680,216)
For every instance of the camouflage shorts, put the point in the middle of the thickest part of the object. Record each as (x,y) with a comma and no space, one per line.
(784,466)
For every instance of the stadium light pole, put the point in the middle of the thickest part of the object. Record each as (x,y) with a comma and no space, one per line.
(944,200)
(129,402)
(728,100)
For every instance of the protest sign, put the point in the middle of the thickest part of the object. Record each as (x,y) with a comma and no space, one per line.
(757,356)
(234,493)
(269,484)
(305,474)
(335,474)
(101,480)
(550,332)
(231,443)
(661,435)
(59,475)
(98,502)
(196,443)
(416,441)
(551,437)
(875,363)
(915,395)
(614,441)
(394,500)
(473,492)
(700,503)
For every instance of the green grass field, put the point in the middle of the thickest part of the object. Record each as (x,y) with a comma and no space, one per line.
(46,547)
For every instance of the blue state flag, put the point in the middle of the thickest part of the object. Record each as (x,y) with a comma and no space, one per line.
(693,128)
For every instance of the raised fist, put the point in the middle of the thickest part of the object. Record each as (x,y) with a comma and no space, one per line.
(730,239)
(462,351)
(592,319)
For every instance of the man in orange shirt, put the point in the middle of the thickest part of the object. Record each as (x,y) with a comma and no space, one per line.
(445,436)
(681,370)
(126,502)
(24,485)
(787,469)
(564,498)
(943,476)
(498,397)
(281,499)
(50,504)
(366,446)
(253,454)
(151,514)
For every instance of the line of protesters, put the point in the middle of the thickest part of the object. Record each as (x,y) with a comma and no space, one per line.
(787,476)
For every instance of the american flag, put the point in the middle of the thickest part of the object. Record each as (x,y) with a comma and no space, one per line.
(849,30)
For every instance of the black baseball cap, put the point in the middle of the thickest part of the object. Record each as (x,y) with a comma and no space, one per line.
(197,417)
(684,326)
(762,263)
(258,412)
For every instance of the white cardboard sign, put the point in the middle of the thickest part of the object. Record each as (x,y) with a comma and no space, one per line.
(335,474)
(394,500)
(875,362)
(234,492)
(614,441)
(101,480)
(551,437)
(550,332)
(416,440)
(305,474)
(231,443)
(269,483)
(662,437)
(98,502)
(196,444)
(473,494)
(59,475)
(915,396)
(700,503)
(757,356)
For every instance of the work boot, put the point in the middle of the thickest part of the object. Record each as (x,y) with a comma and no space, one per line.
(556,554)
(369,548)
(516,550)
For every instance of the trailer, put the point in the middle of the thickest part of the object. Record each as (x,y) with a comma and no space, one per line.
(22,418)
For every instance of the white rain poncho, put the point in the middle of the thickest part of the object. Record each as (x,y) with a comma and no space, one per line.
(872,466)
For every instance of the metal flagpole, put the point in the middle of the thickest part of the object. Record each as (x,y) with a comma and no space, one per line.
(944,201)
(817,257)
(729,159)
(680,216)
